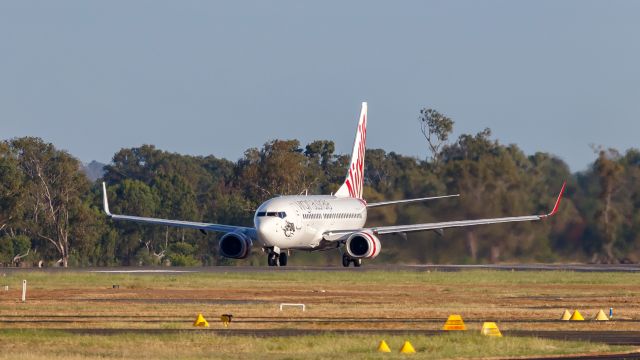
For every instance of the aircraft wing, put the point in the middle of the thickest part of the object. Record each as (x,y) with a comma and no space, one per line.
(340,235)
(176,223)
(393,202)
(462,223)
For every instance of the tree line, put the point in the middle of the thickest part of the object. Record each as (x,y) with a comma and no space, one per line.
(50,212)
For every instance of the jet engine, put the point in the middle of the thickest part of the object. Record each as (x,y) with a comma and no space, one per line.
(235,245)
(362,245)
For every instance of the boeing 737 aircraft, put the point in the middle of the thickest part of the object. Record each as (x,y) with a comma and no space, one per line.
(319,222)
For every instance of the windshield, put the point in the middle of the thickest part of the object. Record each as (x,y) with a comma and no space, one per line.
(280,214)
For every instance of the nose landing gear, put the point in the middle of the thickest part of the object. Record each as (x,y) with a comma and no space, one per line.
(275,259)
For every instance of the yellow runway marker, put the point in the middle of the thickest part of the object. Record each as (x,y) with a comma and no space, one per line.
(383,347)
(490,329)
(201,321)
(454,322)
(407,348)
(576,316)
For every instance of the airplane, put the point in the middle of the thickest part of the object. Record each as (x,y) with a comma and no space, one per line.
(320,222)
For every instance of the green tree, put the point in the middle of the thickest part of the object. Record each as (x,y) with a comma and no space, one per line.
(11,188)
(436,129)
(609,172)
(53,192)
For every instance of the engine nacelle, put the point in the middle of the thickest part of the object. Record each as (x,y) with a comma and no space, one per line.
(235,245)
(362,245)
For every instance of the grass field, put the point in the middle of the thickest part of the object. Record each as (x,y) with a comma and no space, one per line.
(41,344)
(515,300)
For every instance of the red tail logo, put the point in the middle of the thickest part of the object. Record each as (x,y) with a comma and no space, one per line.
(355,179)
(354,183)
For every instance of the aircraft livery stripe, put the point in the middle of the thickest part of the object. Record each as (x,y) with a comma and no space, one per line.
(372,242)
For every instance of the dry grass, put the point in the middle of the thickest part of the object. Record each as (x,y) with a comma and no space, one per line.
(76,300)
(41,344)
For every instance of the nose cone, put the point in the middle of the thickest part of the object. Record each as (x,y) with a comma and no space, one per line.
(266,228)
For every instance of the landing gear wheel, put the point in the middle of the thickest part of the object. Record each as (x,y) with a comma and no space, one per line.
(283,259)
(272,259)
(345,260)
(357,262)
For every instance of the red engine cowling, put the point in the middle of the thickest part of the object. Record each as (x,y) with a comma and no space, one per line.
(235,245)
(363,245)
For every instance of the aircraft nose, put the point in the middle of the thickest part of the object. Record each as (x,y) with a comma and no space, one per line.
(266,229)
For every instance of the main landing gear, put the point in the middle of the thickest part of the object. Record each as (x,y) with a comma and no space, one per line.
(346,260)
(275,259)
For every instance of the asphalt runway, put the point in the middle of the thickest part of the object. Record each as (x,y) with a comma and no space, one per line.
(366,267)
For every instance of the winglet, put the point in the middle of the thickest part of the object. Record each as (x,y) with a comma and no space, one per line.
(105,201)
(557,205)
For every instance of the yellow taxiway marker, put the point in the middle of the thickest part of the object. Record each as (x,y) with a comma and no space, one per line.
(201,321)
(454,322)
(407,348)
(601,316)
(490,329)
(383,347)
(576,316)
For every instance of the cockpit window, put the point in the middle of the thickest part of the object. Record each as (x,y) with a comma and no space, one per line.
(280,214)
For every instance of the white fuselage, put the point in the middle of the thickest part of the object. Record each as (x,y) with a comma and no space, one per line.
(299,222)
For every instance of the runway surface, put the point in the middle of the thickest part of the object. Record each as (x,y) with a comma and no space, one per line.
(627,268)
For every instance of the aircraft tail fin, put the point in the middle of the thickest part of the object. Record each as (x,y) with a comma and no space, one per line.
(354,182)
